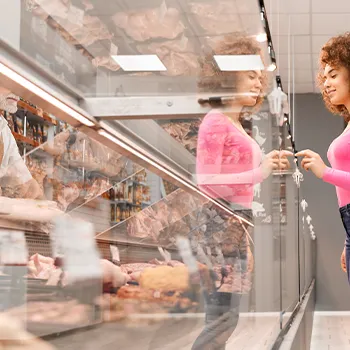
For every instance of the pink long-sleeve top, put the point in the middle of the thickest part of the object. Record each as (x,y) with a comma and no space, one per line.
(228,161)
(339,175)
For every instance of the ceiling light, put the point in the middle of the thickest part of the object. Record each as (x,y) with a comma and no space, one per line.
(261,38)
(272,67)
(114,139)
(239,62)
(44,95)
(140,63)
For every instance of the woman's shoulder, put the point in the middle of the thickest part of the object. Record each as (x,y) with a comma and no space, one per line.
(215,119)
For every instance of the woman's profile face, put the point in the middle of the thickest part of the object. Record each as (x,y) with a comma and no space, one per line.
(249,86)
(337,85)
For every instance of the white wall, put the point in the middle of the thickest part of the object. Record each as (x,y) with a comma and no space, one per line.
(10,24)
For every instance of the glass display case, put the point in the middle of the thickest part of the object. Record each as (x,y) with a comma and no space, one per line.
(162,220)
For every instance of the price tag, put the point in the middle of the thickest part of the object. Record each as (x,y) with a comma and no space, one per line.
(13,248)
(115,253)
(74,239)
(185,251)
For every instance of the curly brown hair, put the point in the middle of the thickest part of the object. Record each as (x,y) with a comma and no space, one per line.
(213,80)
(336,53)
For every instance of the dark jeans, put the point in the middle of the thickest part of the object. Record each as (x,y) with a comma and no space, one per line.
(345,216)
(221,318)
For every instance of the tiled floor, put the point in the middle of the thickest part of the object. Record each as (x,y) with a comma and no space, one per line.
(252,333)
(331,331)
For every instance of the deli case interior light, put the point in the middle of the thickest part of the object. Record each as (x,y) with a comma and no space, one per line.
(261,38)
(11,74)
(139,63)
(232,63)
(114,139)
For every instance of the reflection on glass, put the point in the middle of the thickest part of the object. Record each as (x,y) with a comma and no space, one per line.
(229,164)
(166,257)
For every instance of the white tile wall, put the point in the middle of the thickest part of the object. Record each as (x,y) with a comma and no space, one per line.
(326,6)
(311,23)
(296,6)
(330,24)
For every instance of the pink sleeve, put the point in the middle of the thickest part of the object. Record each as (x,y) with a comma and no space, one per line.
(337,178)
(211,142)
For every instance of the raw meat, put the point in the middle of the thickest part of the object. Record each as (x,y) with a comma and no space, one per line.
(144,224)
(40,266)
(67,195)
(86,33)
(160,213)
(143,25)
(42,259)
(217,18)
(140,225)
(177,55)
(98,187)
(185,133)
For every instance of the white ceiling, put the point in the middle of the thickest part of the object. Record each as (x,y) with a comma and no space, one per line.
(300,28)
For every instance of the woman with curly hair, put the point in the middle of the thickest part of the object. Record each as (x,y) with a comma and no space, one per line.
(334,82)
(229,164)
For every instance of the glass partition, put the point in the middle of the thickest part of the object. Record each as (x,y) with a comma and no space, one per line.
(199,240)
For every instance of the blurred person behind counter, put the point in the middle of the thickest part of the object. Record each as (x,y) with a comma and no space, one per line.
(14,174)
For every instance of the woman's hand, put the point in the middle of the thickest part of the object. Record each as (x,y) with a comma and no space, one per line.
(312,161)
(275,160)
(269,163)
(284,162)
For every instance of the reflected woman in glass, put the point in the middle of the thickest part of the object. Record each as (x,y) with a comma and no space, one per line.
(334,82)
(229,164)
